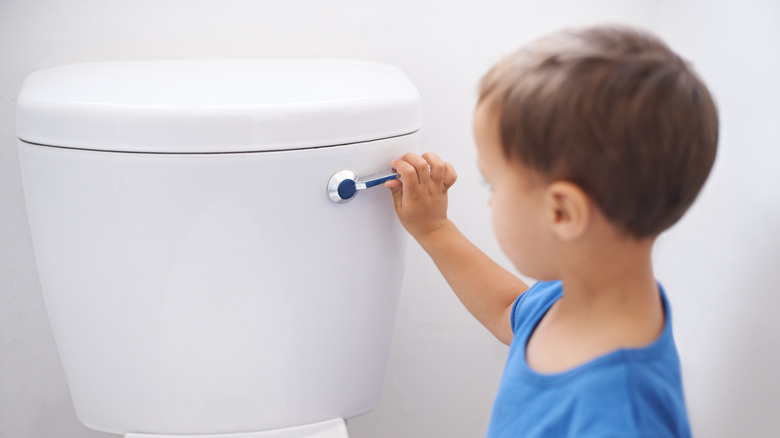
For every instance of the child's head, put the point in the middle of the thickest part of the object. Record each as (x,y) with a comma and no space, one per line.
(612,110)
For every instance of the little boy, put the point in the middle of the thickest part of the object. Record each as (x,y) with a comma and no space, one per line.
(594,141)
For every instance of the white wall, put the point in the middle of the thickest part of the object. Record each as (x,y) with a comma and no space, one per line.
(720,265)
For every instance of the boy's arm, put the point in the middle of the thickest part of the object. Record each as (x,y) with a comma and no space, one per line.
(484,287)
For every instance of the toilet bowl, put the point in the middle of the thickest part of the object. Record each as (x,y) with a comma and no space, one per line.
(199,277)
(326,429)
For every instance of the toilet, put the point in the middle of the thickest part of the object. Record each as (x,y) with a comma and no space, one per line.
(200,275)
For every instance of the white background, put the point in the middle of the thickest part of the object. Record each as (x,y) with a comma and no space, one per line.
(720,264)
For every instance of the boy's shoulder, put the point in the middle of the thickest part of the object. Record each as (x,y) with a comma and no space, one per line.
(626,390)
(535,301)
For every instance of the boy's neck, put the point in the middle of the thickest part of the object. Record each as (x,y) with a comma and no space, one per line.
(615,276)
(610,301)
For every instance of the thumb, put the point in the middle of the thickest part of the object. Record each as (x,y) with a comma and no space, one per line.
(396,188)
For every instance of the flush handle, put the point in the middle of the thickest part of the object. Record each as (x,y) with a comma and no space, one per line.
(344,184)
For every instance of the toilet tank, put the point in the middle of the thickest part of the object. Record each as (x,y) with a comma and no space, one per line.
(197,276)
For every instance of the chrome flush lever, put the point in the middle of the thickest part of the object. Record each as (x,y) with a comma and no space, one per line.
(344,184)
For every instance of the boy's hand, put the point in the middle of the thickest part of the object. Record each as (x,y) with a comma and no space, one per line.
(484,287)
(420,196)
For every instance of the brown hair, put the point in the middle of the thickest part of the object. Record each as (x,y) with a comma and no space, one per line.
(613,110)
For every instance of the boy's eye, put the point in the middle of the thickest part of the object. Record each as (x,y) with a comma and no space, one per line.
(485,182)
(482,178)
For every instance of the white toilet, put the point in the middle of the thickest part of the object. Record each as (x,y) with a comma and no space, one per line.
(200,275)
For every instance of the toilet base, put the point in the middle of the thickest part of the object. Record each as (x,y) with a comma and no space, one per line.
(335,428)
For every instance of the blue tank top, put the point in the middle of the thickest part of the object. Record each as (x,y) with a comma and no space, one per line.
(625,393)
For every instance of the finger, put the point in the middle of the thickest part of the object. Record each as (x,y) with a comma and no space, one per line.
(436,165)
(408,173)
(450,176)
(394,185)
(397,191)
(419,163)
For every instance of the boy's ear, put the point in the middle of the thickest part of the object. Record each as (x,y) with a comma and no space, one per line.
(568,209)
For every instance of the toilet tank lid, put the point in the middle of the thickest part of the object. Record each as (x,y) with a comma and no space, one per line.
(207,106)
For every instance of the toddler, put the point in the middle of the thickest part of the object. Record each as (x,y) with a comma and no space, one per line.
(593,141)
